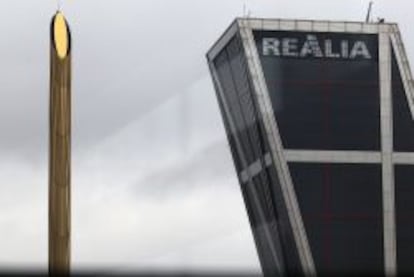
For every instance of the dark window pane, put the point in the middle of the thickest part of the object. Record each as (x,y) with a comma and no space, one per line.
(356,246)
(403,122)
(404,193)
(226,79)
(234,79)
(341,205)
(324,103)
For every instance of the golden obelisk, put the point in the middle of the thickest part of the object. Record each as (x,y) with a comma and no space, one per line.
(59,146)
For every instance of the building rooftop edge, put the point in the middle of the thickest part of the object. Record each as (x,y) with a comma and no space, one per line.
(282,24)
(268,19)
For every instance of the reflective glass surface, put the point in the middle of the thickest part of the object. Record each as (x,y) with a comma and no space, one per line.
(323,102)
(341,206)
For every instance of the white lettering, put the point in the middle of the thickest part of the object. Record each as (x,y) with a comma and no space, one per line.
(290,47)
(271,46)
(311,47)
(345,49)
(360,49)
(329,51)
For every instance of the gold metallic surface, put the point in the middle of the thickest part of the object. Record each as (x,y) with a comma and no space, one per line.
(59,159)
(61,35)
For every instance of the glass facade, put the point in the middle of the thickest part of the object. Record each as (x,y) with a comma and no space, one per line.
(249,145)
(404,174)
(232,71)
(324,88)
(324,100)
(341,205)
(404,195)
(403,120)
(324,103)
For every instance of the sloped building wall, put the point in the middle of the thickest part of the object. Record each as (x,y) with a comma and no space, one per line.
(339,95)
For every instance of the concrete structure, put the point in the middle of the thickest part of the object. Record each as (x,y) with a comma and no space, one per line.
(319,118)
(60,142)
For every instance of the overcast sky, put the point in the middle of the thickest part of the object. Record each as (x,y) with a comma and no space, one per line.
(153,182)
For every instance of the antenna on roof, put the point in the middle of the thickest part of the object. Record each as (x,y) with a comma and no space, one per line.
(246,11)
(368,18)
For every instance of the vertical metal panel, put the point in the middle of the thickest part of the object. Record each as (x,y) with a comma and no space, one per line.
(59,160)
(387,148)
(404,195)
(266,111)
(402,104)
(403,137)
(261,212)
(403,65)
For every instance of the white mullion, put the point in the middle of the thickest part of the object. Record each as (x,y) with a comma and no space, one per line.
(256,200)
(390,255)
(318,156)
(403,158)
(404,67)
(280,163)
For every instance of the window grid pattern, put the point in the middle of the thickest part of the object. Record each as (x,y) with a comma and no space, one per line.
(332,104)
(233,75)
(326,105)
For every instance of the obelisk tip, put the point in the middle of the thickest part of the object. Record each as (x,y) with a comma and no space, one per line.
(60,35)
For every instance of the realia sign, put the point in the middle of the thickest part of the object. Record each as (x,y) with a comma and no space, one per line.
(316,45)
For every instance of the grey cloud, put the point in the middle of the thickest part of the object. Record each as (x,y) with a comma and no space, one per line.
(212,166)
